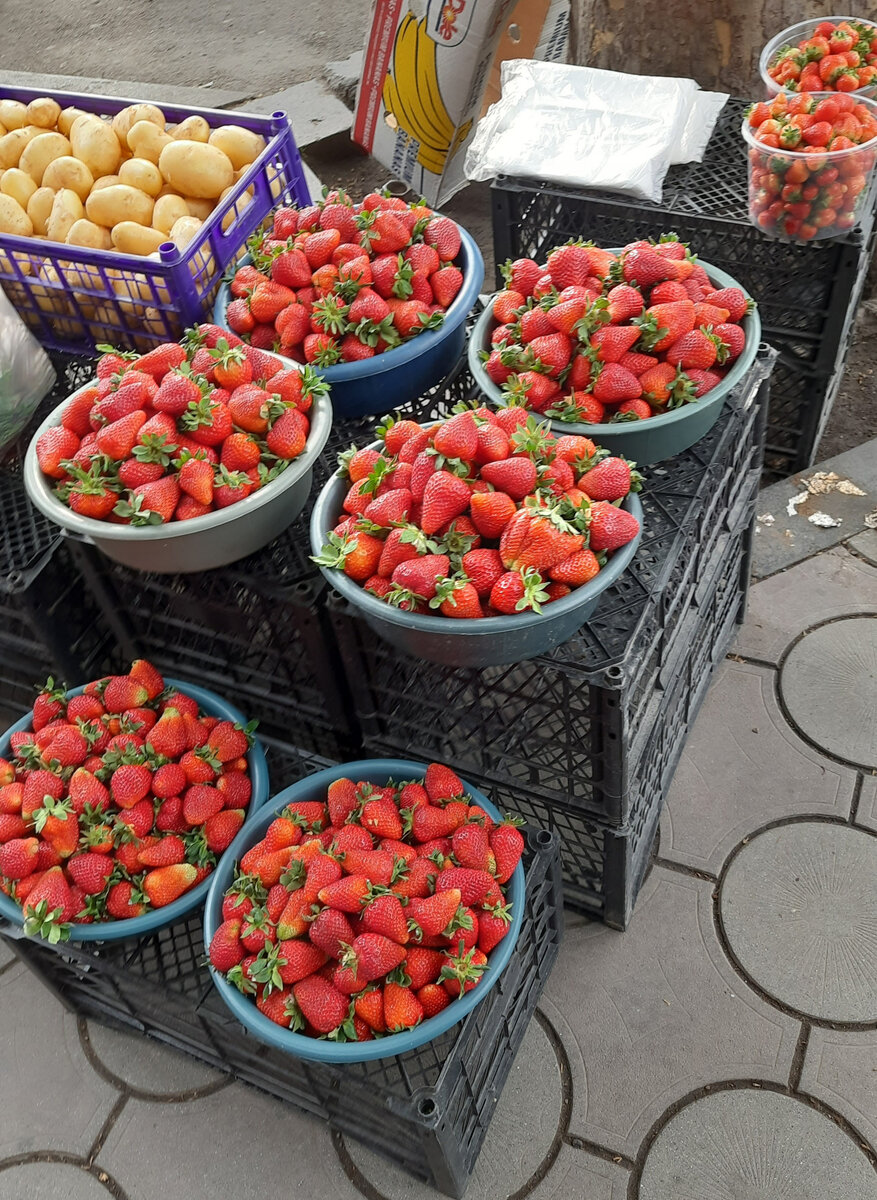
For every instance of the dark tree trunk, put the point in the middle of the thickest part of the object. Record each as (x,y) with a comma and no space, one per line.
(717,44)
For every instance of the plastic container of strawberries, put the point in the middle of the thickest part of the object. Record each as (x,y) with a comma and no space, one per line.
(401,375)
(476,642)
(214,540)
(791,37)
(657,438)
(377,771)
(158,918)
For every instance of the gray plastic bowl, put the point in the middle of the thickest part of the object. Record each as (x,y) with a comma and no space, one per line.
(657,438)
(482,642)
(202,543)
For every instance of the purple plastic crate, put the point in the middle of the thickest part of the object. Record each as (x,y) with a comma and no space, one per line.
(95,296)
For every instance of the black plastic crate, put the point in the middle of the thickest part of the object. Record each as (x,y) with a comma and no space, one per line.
(563,726)
(427,1110)
(807,294)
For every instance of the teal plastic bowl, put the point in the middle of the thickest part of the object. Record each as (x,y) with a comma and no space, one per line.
(115,931)
(653,440)
(481,642)
(377,771)
(390,380)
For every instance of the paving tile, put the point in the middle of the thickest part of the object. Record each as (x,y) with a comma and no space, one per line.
(867,812)
(314,111)
(865,543)
(342,78)
(790,539)
(831,584)
(577,1174)
(829,687)
(840,1068)
(651,1014)
(147,1065)
(6,955)
(62,1103)
(48,1180)
(741,768)
(219,1145)
(530,1104)
(200,97)
(748,1143)
(799,907)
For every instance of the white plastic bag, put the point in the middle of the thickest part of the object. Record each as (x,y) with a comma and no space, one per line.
(589,128)
(26,374)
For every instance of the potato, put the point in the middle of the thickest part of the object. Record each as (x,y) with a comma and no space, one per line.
(44,112)
(3,130)
(105,181)
(196,170)
(146,140)
(17,184)
(183,230)
(124,121)
(193,129)
(12,145)
(142,174)
(67,116)
(39,208)
(240,145)
(41,151)
(234,212)
(199,208)
(13,114)
(131,238)
(68,172)
(109,206)
(66,211)
(85,233)
(95,144)
(49,293)
(14,219)
(168,209)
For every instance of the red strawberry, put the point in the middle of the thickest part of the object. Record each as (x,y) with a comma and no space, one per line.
(733,300)
(319,1004)
(169,735)
(462,971)
(624,302)
(165,884)
(569,265)
(613,341)
(49,906)
(221,829)
(443,234)
(552,352)
(200,802)
(663,324)
(445,497)
(119,438)
(615,384)
(532,539)
(372,956)
(331,932)
(483,567)
(698,348)
(472,884)
(226,950)
(515,591)
(402,1009)
(523,274)
(734,339)
(130,783)
(457,437)
(433,915)
(196,480)
(576,570)
(610,527)
(609,480)
(121,903)
(644,267)
(702,381)
(491,512)
(18,857)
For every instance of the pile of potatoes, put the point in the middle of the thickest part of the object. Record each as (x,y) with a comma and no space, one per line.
(129,184)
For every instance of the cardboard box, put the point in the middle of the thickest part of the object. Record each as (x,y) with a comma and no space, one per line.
(430,70)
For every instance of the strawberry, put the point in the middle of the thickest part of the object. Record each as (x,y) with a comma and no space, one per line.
(446,284)
(462,971)
(615,384)
(516,591)
(420,575)
(130,783)
(624,302)
(457,437)
(122,901)
(663,324)
(457,598)
(18,857)
(576,570)
(119,438)
(472,884)
(196,480)
(533,539)
(701,381)
(319,1004)
(731,298)
(733,338)
(49,906)
(569,265)
(226,950)
(441,783)
(483,568)
(139,818)
(371,955)
(609,479)
(434,914)
(331,932)
(402,1009)
(299,959)
(492,512)
(644,267)
(357,555)
(445,497)
(552,352)
(169,736)
(610,527)
(165,884)
(443,234)
(433,998)
(228,741)
(698,348)
(612,342)
(200,802)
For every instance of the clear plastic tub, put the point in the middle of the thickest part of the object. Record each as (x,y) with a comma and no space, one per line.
(772,171)
(799,33)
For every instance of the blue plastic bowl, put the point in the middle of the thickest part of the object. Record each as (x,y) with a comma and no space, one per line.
(114,931)
(657,438)
(475,642)
(377,771)
(401,375)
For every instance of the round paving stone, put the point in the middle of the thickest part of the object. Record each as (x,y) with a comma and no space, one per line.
(146,1065)
(799,907)
(754,1145)
(829,686)
(520,1135)
(45,1180)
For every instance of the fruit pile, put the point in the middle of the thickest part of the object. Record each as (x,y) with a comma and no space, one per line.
(483,514)
(814,190)
(178,432)
(363,914)
(341,282)
(595,336)
(117,801)
(834,58)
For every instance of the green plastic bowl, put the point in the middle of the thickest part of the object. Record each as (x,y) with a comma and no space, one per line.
(377,771)
(653,440)
(158,918)
(482,642)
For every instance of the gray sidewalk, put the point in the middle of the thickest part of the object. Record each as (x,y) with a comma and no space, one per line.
(723,1048)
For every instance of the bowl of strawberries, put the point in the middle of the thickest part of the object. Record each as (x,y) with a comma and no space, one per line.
(830,54)
(481,540)
(635,347)
(374,295)
(117,799)
(365,911)
(185,458)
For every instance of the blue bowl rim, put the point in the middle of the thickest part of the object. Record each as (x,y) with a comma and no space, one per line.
(473,277)
(315,1049)
(473,627)
(158,918)
(751,323)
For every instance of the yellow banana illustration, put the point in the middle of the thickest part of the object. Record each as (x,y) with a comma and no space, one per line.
(412,95)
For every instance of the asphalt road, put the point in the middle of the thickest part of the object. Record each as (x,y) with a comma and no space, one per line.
(263,45)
